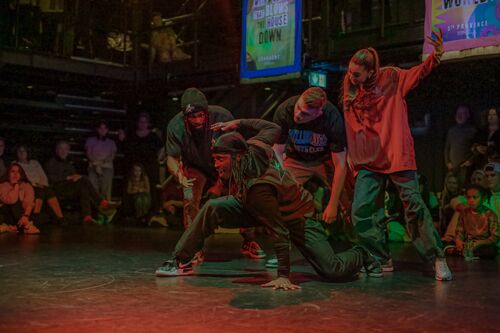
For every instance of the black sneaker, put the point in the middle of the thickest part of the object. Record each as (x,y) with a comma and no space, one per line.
(371,266)
(374,269)
(174,268)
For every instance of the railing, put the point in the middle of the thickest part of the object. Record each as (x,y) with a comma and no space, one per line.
(124,32)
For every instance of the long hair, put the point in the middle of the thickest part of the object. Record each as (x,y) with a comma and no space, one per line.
(28,151)
(247,166)
(131,171)
(368,58)
(23,177)
(237,184)
(486,113)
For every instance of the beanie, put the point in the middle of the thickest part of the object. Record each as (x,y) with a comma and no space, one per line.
(193,100)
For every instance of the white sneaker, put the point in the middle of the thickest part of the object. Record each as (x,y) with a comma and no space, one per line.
(30,229)
(387,266)
(443,272)
(7,228)
(272,263)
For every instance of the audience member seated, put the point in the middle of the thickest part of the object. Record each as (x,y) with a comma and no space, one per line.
(39,180)
(459,139)
(3,162)
(429,197)
(172,204)
(17,199)
(101,151)
(164,40)
(136,200)
(477,224)
(491,178)
(478,178)
(492,175)
(69,185)
(450,191)
(145,147)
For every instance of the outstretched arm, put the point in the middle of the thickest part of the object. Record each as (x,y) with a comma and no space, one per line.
(410,78)
(268,132)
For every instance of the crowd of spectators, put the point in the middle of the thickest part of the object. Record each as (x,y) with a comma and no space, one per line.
(465,210)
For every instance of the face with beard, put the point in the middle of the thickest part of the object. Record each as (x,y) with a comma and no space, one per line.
(223,165)
(197,120)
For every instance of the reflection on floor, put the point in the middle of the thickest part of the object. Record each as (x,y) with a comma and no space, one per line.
(100,279)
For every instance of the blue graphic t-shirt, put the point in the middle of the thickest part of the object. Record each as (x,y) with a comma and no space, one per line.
(313,141)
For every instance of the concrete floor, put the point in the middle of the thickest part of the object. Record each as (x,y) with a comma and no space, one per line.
(100,279)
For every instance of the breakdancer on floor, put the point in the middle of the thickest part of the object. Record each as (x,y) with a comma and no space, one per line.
(381,147)
(263,193)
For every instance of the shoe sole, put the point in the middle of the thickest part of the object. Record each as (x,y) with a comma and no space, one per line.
(197,262)
(375,275)
(388,269)
(444,279)
(164,274)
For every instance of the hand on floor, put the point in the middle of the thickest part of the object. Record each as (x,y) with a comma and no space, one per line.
(281,283)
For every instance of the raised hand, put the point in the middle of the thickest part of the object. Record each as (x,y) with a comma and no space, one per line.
(436,40)
(227,126)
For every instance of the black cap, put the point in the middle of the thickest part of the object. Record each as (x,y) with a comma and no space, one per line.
(230,143)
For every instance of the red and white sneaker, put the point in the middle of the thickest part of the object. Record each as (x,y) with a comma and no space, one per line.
(198,259)
(252,250)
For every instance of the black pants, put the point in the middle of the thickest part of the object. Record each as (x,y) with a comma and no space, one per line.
(262,204)
(11,214)
(81,190)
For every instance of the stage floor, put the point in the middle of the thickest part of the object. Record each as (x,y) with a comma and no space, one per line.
(101,279)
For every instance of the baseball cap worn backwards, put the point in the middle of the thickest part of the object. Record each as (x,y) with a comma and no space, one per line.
(494,166)
(193,100)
